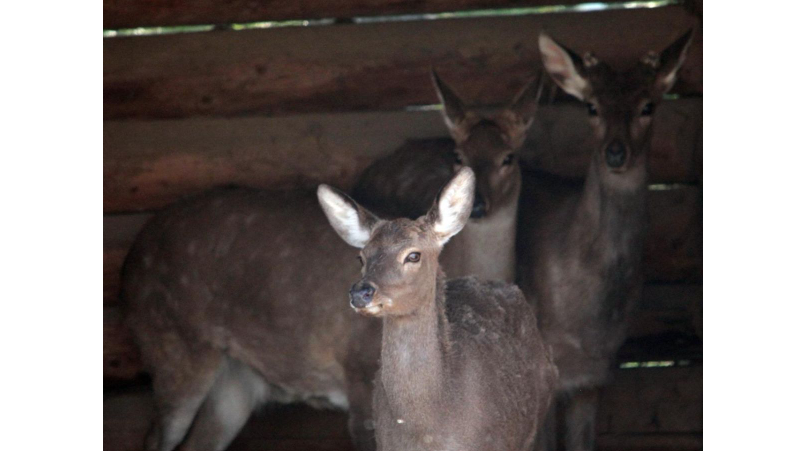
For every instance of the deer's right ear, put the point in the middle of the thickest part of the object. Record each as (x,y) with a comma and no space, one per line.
(453,111)
(351,221)
(564,66)
(453,206)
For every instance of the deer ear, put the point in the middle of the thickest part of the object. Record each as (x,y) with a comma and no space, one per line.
(351,221)
(669,62)
(564,66)
(518,118)
(451,210)
(454,111)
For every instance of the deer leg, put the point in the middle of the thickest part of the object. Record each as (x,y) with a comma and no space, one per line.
(580,419)
(180,384)
(360,422)
(546,435)
(236,393)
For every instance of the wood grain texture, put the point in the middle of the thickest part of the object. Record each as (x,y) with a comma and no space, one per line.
(149,13)
(630,408)
(370,66)
(149,164)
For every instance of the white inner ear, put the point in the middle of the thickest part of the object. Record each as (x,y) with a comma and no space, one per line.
(343,217)
(454,206)
(560,66)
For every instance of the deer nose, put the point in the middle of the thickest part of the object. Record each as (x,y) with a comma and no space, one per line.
(361,294)
(615,154)
(478,207)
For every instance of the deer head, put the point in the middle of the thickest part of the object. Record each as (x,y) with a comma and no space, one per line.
(620,105)
(489,144)
(399,258)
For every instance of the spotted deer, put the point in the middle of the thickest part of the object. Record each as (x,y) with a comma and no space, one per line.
(405,183)
(235,299)
(463,366)
(580,243)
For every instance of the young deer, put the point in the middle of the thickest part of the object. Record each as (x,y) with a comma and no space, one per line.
(463,366)
(405,183)
(581,243)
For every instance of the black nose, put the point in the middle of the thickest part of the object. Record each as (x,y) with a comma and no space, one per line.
(615,154)
(478,207)
(361,294)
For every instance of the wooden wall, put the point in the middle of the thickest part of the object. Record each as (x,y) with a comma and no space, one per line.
(296,106)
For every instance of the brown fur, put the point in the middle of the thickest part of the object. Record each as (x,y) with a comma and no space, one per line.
(462,362)
(256,282)
(581,242)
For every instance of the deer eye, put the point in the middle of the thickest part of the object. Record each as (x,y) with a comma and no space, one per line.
(458,158)
(508,160)
(591,108)
(360,260)
(647,109)
(413,257)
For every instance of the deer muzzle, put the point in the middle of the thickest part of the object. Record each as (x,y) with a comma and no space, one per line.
(616,154)
(361,295)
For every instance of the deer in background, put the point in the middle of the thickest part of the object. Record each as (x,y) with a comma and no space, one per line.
(235,299)
(405,183)
(580,243)
(463,366)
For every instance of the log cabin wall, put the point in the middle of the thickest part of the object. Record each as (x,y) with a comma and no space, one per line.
(285,94)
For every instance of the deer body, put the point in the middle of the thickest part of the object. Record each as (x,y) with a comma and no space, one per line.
(581,242)
(463,366)
(235,298)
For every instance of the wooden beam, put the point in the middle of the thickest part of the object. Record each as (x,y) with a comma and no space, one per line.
(369,66)
(149,164)
(150,13)
(629,406)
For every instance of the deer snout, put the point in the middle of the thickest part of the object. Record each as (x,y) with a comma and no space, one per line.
(361,294)
(615,154)
(479,208)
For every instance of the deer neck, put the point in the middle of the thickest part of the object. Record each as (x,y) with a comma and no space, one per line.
(613,208)
(412,358)
(485,247)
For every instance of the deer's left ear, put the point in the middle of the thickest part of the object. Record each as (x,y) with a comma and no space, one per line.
(351,221)
(564,66)
(518,118)
(451,210)
(669,62)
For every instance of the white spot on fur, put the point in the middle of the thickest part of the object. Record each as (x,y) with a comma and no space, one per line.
(343,217)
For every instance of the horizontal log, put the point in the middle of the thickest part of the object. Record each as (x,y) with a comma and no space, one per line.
(367,66)
(628,412)
(150,13)
(149,164)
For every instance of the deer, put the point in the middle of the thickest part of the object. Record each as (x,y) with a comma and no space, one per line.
(581,241)
(463,366)
(233,297)
(404,183)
